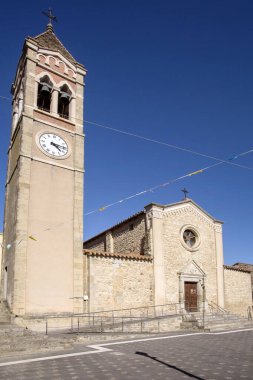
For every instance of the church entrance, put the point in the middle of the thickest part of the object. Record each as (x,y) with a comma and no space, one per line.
(191,296)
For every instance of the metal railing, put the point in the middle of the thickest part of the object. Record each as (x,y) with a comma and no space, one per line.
(216,309)
(137,319)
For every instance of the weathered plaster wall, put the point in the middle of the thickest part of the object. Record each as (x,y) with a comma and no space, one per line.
(237,291)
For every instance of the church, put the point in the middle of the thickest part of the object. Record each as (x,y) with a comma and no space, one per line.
(165,254)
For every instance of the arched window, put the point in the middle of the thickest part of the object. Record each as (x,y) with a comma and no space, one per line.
(44,94)
(64,98)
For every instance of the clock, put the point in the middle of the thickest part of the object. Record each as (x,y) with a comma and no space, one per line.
(53,145)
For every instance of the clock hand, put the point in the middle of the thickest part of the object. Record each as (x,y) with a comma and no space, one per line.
(57,146)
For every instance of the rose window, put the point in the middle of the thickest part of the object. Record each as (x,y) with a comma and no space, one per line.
(190,238)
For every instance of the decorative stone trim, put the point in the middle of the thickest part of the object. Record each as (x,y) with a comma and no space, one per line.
(155,214)
(189,210)
(111,255)
(218,228)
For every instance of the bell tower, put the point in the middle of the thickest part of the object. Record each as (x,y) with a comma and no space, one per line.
(42,267)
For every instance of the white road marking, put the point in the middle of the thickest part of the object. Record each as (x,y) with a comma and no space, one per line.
(99,348)
(98,351)
(230,331)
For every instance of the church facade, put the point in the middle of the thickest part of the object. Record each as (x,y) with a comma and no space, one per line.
(166,254)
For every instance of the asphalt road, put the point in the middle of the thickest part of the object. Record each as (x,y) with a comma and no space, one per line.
(227,355)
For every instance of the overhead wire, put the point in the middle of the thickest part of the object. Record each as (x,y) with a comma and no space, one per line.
(154,188)
(172,146)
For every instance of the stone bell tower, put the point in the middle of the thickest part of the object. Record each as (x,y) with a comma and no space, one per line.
(42,267)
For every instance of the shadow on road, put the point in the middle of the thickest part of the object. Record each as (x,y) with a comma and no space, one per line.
(168,365)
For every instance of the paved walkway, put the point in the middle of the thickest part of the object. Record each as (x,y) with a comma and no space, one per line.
(223,355)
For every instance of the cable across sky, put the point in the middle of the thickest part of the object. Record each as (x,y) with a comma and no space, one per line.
(172,146)
(170,182)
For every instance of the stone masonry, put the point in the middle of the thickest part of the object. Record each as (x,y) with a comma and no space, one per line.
(119,281)
(157,233)
(237,290)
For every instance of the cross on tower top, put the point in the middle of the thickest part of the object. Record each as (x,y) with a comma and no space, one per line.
(50,16)
(185,192)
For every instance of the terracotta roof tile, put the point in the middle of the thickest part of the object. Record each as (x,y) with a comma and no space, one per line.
(125,255)
(231,267)
(48,40)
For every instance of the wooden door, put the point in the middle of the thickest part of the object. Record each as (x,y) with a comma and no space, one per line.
(191,296)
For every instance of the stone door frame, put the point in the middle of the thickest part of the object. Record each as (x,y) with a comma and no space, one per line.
(198,277)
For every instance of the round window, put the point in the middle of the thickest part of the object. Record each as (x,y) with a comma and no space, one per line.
(190,238)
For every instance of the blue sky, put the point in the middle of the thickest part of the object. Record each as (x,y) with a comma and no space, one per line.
(175,71)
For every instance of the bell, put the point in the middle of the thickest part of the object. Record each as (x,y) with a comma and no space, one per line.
(45,90)
(65,97)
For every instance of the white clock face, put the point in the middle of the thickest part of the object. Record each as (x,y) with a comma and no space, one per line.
(53,145)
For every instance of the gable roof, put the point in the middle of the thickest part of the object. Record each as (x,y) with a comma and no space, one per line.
(130,218)
(187,200)
(48,40)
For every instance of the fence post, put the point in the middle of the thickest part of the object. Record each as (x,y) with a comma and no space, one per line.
(158,325)
(46,326)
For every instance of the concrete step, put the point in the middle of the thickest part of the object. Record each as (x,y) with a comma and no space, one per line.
(215,322)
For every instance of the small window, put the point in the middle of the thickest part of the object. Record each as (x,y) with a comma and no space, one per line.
(44,94)
(131,227)
(64,102)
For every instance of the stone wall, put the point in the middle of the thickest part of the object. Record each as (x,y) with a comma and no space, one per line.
(237,291)
(130,236)
(126,237)
(117,283)
(98,243)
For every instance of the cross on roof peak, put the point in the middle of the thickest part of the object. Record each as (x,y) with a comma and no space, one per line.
(185,192)
(51,18)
